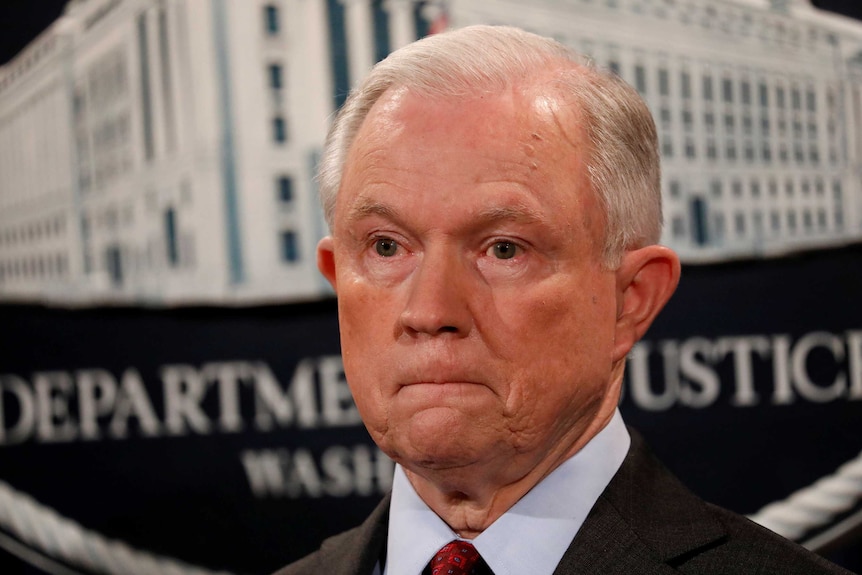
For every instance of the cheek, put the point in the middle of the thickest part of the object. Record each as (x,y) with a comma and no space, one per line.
(565,333)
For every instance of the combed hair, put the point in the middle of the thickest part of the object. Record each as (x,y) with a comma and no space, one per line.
(623,160)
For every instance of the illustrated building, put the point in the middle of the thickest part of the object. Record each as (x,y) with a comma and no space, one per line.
(758,106)
(163,151)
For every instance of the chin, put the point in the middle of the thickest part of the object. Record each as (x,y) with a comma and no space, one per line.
(436,455)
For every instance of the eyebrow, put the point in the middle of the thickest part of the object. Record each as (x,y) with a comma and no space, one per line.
(367,208)
(518,213)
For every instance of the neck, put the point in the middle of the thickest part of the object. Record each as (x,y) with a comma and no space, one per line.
(470,498)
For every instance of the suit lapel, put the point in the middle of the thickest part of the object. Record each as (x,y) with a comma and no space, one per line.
(646,521)
(357,551)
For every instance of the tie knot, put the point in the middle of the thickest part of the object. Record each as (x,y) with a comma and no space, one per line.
(455,558)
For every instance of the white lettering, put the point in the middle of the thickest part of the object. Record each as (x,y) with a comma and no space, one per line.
(741,347)
(639,381)
(708,384)
(184,388)
(97,393)
(804,384)
(23,428)
(54,389)
(132,400)
(337,404)
(340,471)
(783,390)
(228,376)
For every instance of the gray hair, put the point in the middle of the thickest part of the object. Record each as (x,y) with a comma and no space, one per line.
(623,160)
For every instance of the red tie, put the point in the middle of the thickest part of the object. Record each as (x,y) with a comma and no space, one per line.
(456,558)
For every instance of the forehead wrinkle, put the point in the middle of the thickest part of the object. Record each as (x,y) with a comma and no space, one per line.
(519,213)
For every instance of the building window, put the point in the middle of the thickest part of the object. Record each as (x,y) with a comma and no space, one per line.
(685,85)
(675,189)
(114,264)
(663,82)
(727,90)
(665,117)
(707,88)
(289,246)
(730,150)
(796,99)
(687,119)
(739,223)
(271,22)
(279,130)
(746,92)
(711,150)
(614,67)
(284,189)
(382,45)
(715,188)
(689,149)
(807,220)
(275,77)
(640,79)
(171,243)
(764,95)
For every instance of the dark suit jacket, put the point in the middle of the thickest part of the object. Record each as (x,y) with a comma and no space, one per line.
(645,522)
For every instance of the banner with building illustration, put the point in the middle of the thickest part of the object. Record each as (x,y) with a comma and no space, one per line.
(171,393)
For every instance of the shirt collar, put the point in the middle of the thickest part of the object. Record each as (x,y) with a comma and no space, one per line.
(545,520)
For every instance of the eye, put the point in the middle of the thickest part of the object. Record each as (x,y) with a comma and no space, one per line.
(503,250)
(386,247)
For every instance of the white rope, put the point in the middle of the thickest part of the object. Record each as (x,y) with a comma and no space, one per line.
(816,505)
(43,529)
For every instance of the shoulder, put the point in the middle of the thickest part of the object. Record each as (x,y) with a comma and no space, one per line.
(755,549)
(354,552)
(668,522)
(322,560)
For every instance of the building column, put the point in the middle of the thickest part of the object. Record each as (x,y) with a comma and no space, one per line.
(359,29)
(402,28)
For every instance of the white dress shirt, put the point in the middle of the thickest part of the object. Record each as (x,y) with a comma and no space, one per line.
(545,520)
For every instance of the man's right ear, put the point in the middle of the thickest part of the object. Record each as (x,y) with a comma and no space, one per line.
(326,260)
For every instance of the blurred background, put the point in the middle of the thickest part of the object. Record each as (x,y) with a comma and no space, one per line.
(171,391)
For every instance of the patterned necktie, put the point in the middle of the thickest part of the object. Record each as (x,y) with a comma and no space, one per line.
(456,558)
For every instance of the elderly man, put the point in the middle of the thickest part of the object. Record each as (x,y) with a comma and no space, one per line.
(494,204)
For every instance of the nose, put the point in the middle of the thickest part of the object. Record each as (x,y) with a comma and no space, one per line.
(438,302)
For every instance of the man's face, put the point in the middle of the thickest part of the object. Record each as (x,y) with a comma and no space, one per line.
(477,320)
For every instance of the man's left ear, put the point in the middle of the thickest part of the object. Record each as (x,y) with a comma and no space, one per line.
(646,279)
